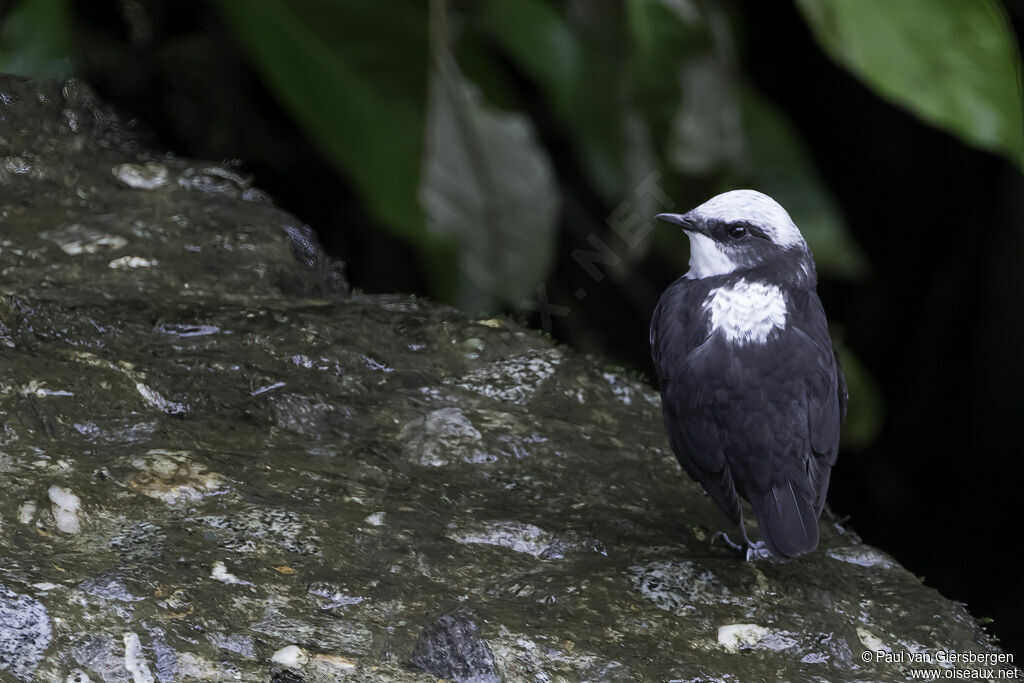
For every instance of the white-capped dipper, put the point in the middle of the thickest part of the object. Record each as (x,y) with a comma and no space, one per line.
(751,389)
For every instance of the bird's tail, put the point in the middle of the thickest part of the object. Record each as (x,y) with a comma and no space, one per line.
(788,521)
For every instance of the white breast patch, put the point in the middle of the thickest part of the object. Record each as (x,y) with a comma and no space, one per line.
(746,312)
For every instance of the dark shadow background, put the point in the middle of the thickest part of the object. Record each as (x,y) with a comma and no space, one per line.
(938,322)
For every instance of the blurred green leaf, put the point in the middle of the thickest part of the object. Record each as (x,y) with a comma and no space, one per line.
(537,36)
(581,77)
(36,40)
(486,182)
(706,133)
(666,35)
(684,85)
(955,63)
(353,74)
(780,166)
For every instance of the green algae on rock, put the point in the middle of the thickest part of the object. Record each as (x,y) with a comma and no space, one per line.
(220,465)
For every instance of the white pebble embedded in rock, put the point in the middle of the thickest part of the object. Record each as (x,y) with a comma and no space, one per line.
(221,573)
(735,636)
(135,660)
(27,512)
(65,509)
(141,176)
(870,641)
(292,656)
(127,262)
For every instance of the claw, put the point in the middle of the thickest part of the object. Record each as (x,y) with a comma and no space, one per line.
(750,550)
(757,551)
(728,541)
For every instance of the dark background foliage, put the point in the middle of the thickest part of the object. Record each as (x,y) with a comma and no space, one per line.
(920,253)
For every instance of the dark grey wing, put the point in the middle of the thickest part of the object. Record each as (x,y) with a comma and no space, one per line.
(844,392)
(788,509)
(677,338)
(826,397)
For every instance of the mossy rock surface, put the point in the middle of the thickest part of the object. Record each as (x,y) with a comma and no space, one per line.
(218,464)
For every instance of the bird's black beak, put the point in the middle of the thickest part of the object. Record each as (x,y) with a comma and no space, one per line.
(683,220)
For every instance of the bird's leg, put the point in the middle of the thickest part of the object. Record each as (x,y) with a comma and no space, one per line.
(754,551)
(750,550)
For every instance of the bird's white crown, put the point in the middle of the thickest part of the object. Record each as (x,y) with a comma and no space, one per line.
(756,208)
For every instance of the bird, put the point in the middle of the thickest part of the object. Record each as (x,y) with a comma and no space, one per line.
(752,393)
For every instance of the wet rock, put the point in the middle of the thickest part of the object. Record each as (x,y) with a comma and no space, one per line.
(79,239)
(286,677)
(451,647)
(321,631)
(442,437)
(524,658)
(140,541)
(216,180)
(255,530)
(174,477)
(191,666)
(239,644)
(103,656)
(523,538)
(330,595)
(862,555)
(515,379)
(108,588)
(681,587)
(212,452)
(25,633)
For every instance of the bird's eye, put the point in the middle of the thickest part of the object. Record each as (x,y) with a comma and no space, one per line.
(737,231)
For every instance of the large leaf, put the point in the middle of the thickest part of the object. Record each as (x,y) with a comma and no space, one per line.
(684,83)
(781,166)
(36,39)
(953,63)
(487,183)
(354,75)
(706,133)
(579,71)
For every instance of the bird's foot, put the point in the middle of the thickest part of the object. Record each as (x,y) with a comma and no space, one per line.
(748,550)
(757,551)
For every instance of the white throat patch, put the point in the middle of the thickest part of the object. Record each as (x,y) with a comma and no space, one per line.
(746,312)
(707,258)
